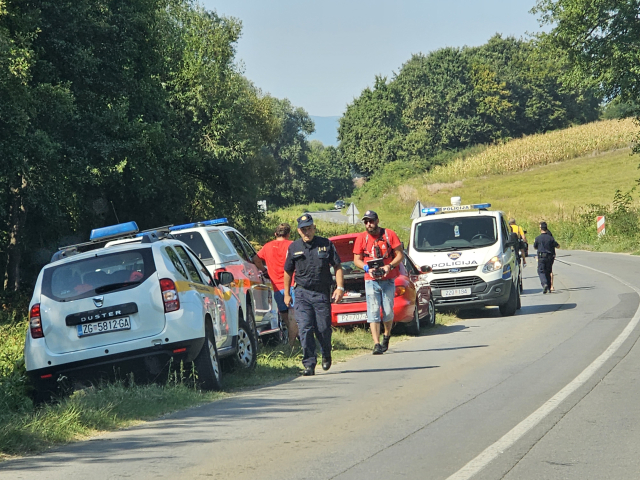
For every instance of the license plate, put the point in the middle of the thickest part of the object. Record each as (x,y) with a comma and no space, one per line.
(105,326)
(351,317)
(456,292)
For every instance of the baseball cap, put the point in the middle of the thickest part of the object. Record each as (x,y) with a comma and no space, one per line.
(370,214)
(305,220)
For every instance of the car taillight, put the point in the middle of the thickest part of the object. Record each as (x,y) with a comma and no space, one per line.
(400,291)
(35,323)
(169,295)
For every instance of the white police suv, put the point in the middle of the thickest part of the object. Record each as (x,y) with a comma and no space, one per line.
(472,255)
(139,301)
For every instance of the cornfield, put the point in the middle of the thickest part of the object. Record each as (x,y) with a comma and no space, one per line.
(542,149)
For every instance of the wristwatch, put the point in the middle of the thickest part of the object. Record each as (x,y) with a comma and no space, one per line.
(340,288)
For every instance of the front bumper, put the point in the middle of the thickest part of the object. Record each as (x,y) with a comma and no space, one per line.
(492,293)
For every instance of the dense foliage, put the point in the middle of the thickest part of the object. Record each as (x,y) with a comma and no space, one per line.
(118,110)
(453,98)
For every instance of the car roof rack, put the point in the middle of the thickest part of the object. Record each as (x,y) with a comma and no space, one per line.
(111,233)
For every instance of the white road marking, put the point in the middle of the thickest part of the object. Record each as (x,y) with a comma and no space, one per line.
(517,432)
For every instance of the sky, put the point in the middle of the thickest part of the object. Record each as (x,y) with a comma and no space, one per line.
(321,54)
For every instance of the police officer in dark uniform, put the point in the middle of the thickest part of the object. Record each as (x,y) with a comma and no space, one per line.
(546,246)
(310,258)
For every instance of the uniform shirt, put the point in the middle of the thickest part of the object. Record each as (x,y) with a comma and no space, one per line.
(365,243)
(517,229)
(274,253)
(311,263)
(545,243)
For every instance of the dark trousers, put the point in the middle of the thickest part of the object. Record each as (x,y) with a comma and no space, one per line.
(544,270)
(313,316)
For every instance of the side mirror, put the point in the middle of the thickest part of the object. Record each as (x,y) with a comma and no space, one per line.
(426,269)
(513,240)
(225,278)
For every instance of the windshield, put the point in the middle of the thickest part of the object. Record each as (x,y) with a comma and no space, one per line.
(456,233)
(98,275)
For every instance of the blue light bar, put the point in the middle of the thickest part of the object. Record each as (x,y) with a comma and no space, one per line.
(430,211)
(113,231)
(206,223)
(455,208)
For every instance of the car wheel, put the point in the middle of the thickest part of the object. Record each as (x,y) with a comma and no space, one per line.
(247,353)
(207,362)
(413,327)
(251,321)
(431,319)
(509,308)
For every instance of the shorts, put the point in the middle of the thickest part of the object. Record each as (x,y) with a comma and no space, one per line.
(278,295)
(380,294)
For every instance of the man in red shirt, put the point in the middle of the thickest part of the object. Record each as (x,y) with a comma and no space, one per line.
(274,254)
(378,243)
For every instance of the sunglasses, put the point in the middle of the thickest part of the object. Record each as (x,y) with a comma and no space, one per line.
(368,220)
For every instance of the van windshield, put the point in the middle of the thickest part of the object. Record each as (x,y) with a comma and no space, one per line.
(98,275)
(456,233)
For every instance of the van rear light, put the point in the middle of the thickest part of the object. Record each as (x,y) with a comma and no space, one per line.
(35,323)
(169,295)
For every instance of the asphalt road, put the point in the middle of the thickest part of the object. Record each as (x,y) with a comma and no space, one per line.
(551,393)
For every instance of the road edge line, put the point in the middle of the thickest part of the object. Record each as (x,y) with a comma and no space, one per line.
(516,433)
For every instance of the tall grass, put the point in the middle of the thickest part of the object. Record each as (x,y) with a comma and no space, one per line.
(536,150)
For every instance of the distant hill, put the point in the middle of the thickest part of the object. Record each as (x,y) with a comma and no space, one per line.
(326,130)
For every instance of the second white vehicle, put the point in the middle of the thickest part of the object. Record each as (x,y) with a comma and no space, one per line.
(472,255)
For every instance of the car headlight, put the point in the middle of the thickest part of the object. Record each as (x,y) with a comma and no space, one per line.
(492,265)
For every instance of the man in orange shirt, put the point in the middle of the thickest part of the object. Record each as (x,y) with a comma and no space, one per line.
(274,254)
(378,243)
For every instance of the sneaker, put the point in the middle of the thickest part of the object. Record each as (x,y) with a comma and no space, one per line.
(377,349)
(545,289)
(385,343)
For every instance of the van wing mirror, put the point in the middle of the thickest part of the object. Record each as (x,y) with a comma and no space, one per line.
(426,269)
(225,278)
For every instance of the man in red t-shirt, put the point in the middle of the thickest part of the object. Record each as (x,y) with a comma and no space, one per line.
(274,254)
(378,243)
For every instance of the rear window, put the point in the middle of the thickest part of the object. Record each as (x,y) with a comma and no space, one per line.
(456,233)
(196,242)
(98,275)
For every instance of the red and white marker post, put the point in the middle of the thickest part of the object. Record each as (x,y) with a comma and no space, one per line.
(600,223)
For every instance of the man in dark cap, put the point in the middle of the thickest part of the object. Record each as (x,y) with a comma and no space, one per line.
(379,283)
(311,258)
(546,246)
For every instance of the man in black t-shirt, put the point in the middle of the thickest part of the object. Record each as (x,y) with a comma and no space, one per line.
(546,246)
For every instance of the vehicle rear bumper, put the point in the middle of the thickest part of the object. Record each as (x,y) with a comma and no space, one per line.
(402,311)
(493,293)
(151,359)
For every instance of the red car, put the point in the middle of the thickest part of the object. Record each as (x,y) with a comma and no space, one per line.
(413,306)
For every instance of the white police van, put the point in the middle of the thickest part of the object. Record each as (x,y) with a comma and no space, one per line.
(472,255)
(140,301)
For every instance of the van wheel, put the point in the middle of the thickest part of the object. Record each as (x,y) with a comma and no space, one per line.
(207,362)
(413,327)
(431,319)
(247,353)
(509,308)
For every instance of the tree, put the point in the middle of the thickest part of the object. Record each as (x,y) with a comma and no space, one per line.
(371,130)
(327,174)
(602,40)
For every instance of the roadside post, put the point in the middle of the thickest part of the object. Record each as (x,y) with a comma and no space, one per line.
(352,214)
(417,210)
(600,224)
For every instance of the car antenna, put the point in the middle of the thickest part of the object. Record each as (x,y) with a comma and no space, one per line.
(114,211)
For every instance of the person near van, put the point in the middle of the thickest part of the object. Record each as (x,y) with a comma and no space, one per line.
(310,258)
(522,239)
(274,254)
(546,246)
(373,243)
(553,259)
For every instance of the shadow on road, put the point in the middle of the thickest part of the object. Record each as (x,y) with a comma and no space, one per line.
(545,308)
(379,370)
